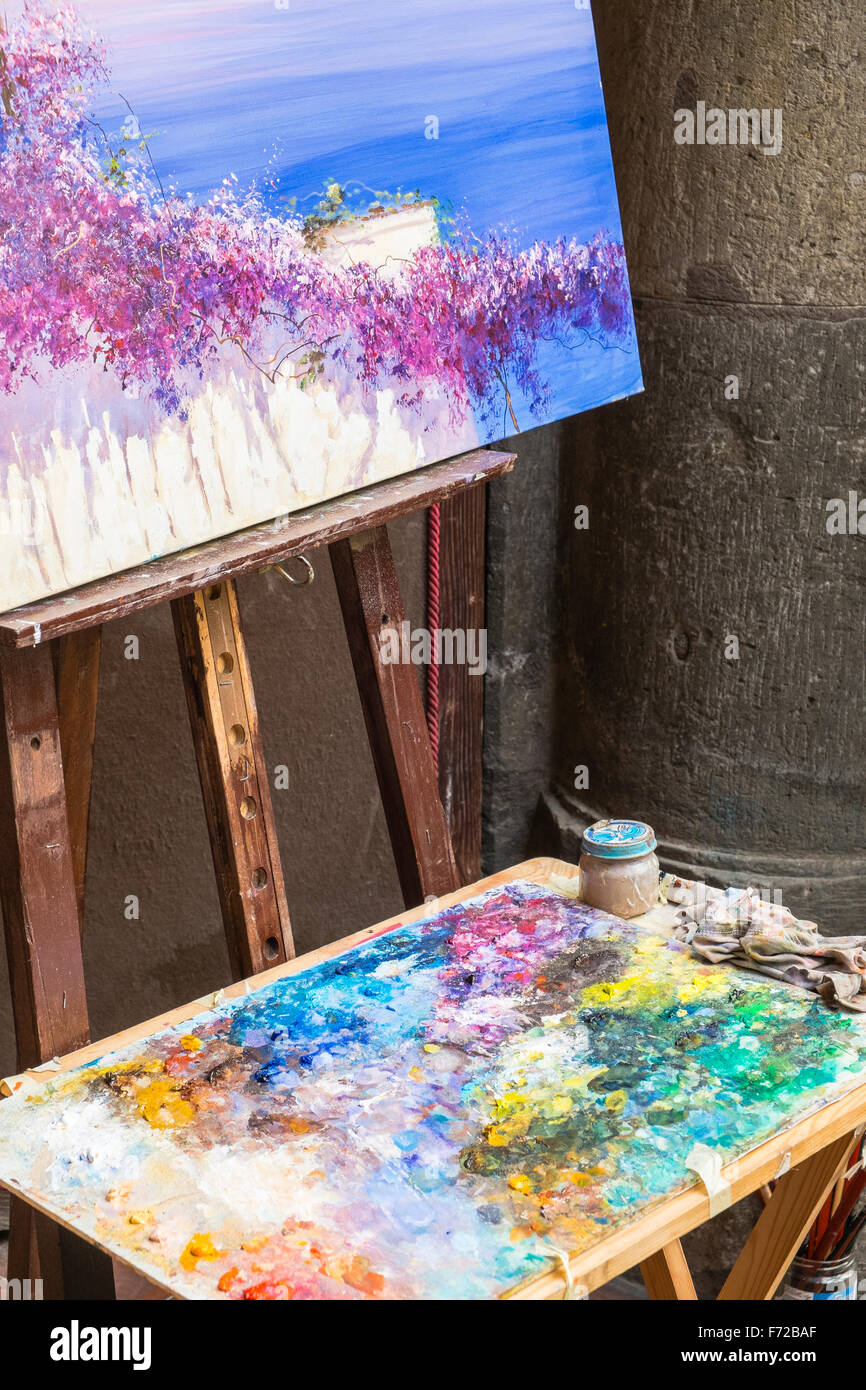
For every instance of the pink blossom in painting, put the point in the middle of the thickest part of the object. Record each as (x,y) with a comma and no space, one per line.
(100,263)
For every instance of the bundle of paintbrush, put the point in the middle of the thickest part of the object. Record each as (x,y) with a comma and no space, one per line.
(839,1221)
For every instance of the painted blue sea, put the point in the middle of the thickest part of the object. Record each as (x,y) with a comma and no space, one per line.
(289,98)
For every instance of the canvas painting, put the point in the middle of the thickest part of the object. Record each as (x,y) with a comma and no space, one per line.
(259,253)
(439,1112)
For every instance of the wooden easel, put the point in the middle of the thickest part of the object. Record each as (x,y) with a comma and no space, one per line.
(49,666)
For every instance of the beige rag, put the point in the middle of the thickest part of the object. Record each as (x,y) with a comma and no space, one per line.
(738,929)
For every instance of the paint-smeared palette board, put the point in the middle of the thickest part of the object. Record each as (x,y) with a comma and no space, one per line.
(247,551)
(644,1233)
(541,870)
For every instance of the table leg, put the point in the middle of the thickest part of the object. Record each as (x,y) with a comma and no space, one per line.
(667,1275)
(234,779)
(782,1225)
(372,609)
(88,1272)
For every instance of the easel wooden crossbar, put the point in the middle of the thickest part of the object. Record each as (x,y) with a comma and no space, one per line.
(49,666)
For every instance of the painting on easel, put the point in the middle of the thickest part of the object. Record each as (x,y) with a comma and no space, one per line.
(255,255)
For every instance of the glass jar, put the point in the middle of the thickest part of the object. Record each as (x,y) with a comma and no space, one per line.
(808,1280)
(619,871)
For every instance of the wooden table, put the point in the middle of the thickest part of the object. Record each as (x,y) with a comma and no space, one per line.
(478,1099)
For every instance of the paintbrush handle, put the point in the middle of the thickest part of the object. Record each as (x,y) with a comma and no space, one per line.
(837,1224)
(849,1237)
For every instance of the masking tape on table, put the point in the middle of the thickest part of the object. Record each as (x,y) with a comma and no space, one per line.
(30,1080)
(572,1291)
(784,1165)
(707,1163)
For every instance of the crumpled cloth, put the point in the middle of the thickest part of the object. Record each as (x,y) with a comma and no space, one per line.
(735,927)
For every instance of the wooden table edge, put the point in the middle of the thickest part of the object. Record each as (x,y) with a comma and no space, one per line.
(675,1216)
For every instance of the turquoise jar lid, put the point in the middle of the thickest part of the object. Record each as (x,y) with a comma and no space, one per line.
(618,839)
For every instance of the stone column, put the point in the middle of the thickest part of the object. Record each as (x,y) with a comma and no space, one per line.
(711,630)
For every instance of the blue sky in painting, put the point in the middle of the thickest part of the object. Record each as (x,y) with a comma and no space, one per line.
(289,99)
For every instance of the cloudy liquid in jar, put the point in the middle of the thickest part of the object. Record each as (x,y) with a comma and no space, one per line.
(619,871)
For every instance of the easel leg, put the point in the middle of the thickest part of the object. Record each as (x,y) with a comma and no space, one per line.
(394,713)
(234,779)
(667,1276)
(782,1225)
(37,882)
(40,908)
(461,686)
(76,663)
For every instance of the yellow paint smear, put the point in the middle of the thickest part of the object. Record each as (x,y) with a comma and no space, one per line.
(201,1247)
(140,1218)
(702,984)
(608,991)
(162,1105)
